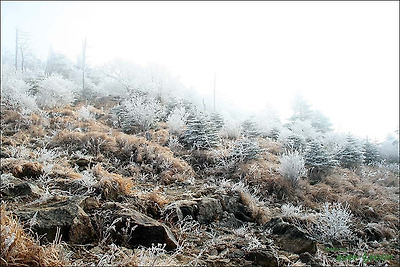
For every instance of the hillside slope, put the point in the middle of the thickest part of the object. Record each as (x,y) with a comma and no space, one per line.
(77,190)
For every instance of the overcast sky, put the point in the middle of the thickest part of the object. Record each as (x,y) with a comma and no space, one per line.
(342,56)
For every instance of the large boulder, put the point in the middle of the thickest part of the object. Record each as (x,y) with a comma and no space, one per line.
(14,187)
(291,238)
(264,258)
(131,229)
(204,210)
(67,216)
(233,204)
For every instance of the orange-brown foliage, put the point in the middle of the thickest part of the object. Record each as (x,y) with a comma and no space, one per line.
(19,249)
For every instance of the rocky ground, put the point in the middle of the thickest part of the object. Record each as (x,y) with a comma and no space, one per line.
(78,191)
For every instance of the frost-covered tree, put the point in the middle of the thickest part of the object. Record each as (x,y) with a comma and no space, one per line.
(200,132)
(177,120)
(352,154)
(389,149)
(320,122)
(58,63)
(138,112)
(274,133)
(268,122)
(250,128)
(304,130)
(292,166)
(301,109)
(217,119)
(246,149)
(371,154)
(15,92)
(291,141)
(55,91)
(318,162)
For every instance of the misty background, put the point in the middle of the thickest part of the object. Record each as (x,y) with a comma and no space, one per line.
(343,57)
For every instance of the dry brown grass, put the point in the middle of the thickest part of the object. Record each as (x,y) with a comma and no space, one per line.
(367,201)
(160,136)
(259,212)
(20,249)
(127,148)
(113,185)
(272,146)
(21,168)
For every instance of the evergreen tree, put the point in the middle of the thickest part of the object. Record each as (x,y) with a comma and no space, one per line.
(301,109)
(320,122)
(295,143)
(318,161)
(371,154)
(274,133)
(218,121)
(200,132)
(250,129)
(351,156)
(246,149)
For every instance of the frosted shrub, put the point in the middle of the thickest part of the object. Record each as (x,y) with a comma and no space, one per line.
(55,91)
(292,166)
(156,255)
(15,91)
(176,120)
(139,112)
(85,114)
(289,210)
(231,128)
(333,223)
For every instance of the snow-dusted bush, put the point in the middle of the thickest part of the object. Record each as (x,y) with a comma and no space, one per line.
(289,210)
(177,120)
(231,129)
(85,114)
(292,166)
(139,112)
(15,92)
(333,223)
(55,91)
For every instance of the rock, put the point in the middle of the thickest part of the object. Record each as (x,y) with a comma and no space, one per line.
(265,258)
(234,205)
(210,209)
(24,189)
(4,154)
(29,170)
(291,238)
(74,223)
(204,210)
(230,221)
(82,163)
(133,228)
(309,259)
(373,232)
(89,203)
